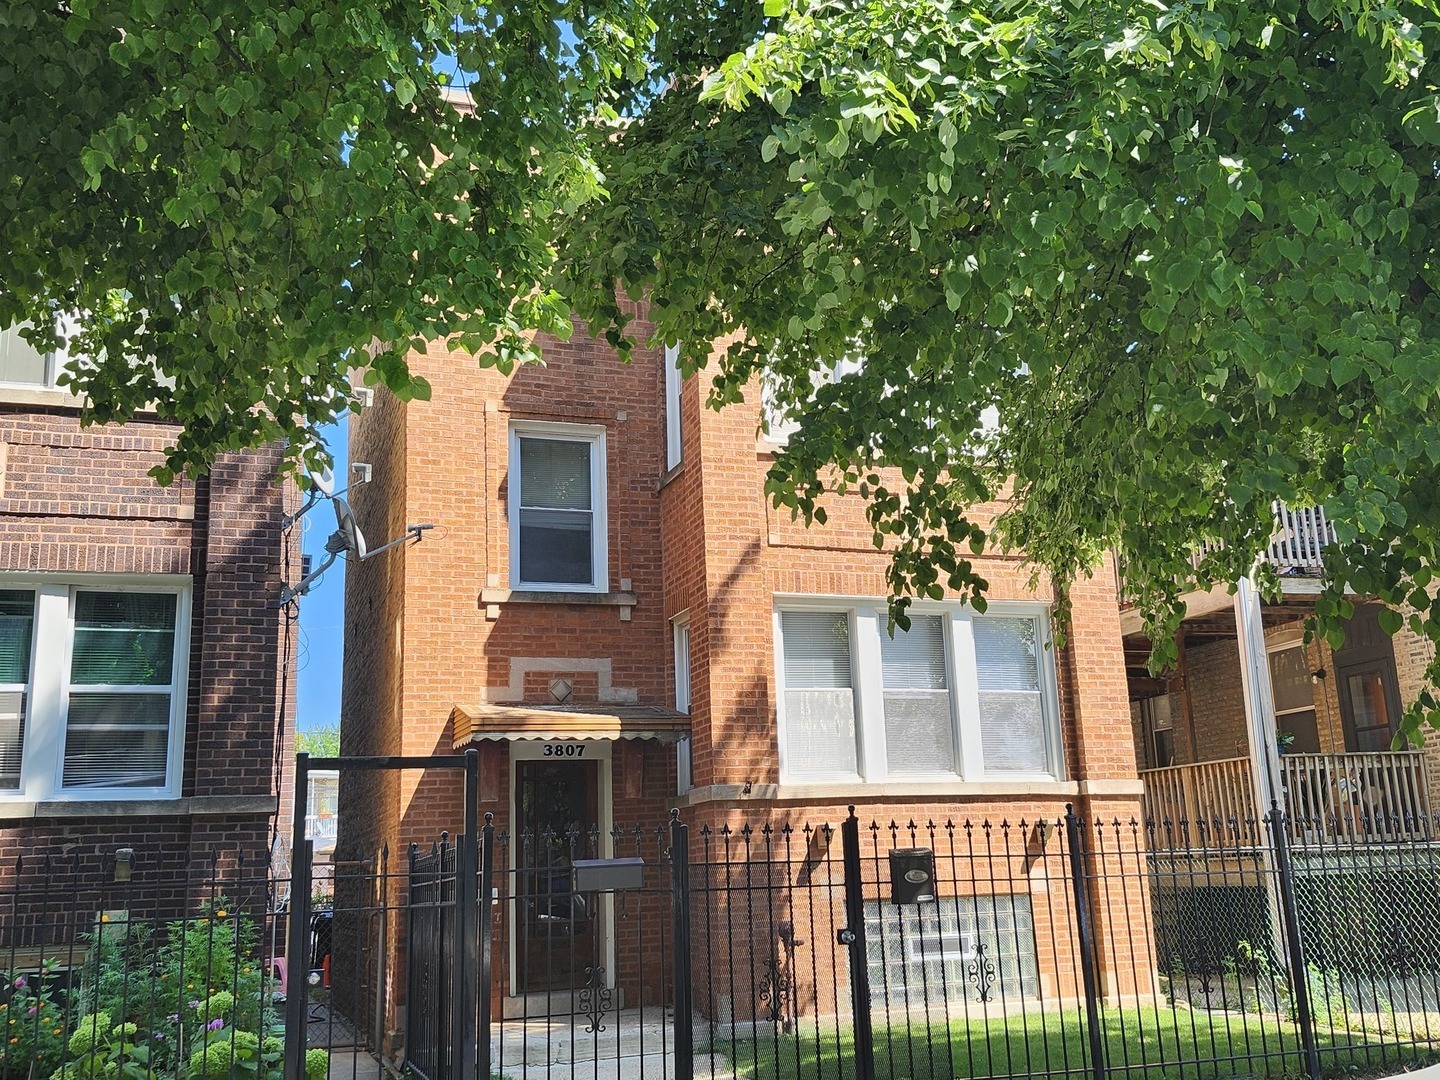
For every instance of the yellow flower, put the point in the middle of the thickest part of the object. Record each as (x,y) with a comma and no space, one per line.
(245,971)
(57,1031)
(189,986)
(104,918)
(14,1039)
(221,913)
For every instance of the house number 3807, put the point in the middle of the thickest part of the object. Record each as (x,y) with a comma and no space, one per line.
(564,751)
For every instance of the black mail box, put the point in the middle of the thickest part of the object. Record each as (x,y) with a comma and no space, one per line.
(912,875)
(608,875)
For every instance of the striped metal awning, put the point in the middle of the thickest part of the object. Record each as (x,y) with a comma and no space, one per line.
(475,723)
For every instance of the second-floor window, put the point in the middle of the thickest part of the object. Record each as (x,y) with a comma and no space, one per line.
(557,507)
(958,695)
(21,364)
(673,381)
(91,689)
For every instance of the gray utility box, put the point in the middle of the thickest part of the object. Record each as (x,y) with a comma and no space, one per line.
(608,875)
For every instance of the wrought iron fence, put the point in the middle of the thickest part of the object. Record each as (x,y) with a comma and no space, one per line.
(852,950)
(173,965)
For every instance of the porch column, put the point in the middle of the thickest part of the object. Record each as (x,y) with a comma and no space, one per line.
(1259,698)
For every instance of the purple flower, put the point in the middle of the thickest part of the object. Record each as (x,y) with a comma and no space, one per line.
(194,1004)
(215,1025)
(32,1010)
(174,1018)
(159,1036)
(21,983)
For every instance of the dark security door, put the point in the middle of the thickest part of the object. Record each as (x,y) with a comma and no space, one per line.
(1365,681)
(557,811)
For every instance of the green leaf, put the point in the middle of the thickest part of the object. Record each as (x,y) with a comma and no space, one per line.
(1390,620)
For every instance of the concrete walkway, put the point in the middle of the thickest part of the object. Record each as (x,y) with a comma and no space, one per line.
(636,1044)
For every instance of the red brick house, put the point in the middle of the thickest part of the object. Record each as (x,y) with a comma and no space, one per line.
(144,698)
(613,614)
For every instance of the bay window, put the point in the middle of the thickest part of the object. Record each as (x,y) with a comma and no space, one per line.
(92,699)
(959,695)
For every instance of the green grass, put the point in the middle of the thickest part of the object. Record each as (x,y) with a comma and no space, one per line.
(1148,1043)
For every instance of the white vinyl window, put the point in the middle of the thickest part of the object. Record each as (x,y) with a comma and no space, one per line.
(819,697)
(21,364)
(958,695)
(557,508)
(673,381)
(92,697)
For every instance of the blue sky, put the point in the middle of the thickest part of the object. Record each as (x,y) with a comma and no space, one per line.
(322,612)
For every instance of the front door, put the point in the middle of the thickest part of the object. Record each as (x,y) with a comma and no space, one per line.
(1366,684)
(558,821)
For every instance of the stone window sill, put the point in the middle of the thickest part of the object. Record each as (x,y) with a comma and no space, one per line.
(492,599)
(196,806)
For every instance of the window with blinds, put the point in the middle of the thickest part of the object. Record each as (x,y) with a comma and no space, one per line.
(1012,716)
(957,694)
(557,511)
(122,674)
(919,721)
(819,694)
(92,687)
(17,636)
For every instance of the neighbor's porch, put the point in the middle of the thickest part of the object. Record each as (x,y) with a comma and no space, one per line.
(1330,799)
(1324,750)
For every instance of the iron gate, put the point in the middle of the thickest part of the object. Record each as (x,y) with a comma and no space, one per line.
(339,992)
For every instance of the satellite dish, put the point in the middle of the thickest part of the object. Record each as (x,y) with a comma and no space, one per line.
(347,533)
(322,481)
(347,540)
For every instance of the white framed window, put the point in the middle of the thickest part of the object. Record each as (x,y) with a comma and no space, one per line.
(780,420)
(958,696)
(673,381)
(21,364)
(681,628)
(92,686)
(557,507)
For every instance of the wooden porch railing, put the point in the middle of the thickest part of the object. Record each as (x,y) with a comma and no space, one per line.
(1299,539)
(1357,798)
(1329,799)
(1186,802)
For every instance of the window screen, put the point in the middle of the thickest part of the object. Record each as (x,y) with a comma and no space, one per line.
(919,729)
(17,632)
(557,523)
(117,731)
(1012,715)
(819,693)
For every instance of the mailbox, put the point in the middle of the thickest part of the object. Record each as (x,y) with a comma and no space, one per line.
(608,875)
(912,875)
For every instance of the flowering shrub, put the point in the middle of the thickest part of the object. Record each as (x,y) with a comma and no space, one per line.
(33,1023)
(188,1002)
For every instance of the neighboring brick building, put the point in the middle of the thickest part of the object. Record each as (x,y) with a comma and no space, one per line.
(146,673)
(1336,712)
(611,611)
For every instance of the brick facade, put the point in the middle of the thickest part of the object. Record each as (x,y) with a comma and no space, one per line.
(79,501)
(434,625)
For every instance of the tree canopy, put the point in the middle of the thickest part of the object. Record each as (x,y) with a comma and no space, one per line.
(1146,267)
(232,202)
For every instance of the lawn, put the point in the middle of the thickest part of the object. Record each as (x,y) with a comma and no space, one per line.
(1150,1043)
